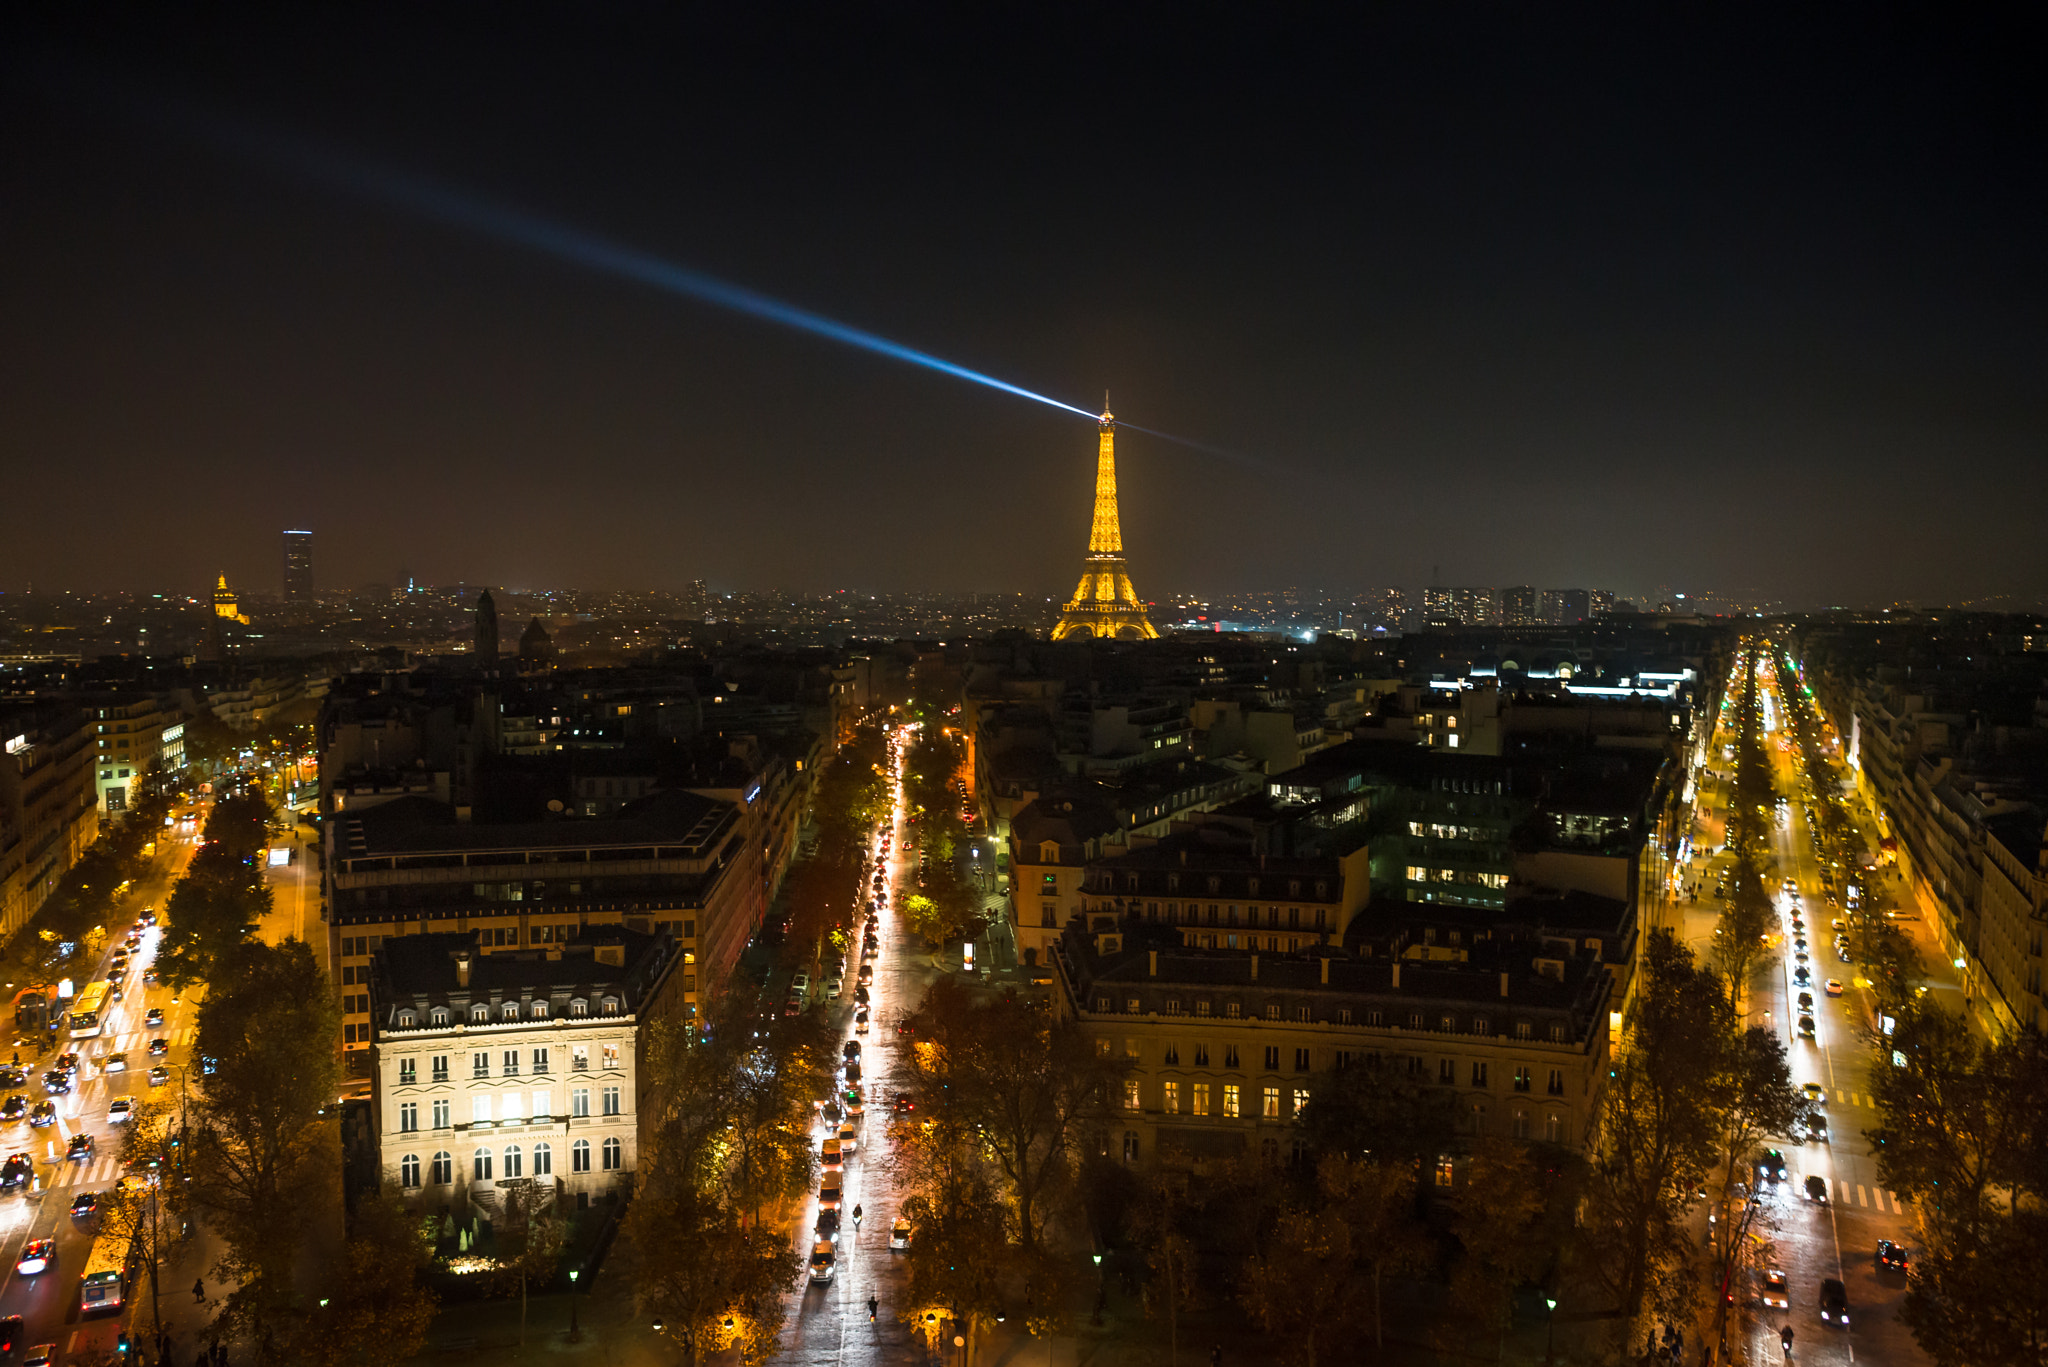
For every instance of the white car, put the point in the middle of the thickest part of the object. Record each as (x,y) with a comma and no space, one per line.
(119,1109)
(835,987)
(899,1236)
(823,1260)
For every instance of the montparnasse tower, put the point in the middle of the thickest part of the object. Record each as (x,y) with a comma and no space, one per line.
(1105,604)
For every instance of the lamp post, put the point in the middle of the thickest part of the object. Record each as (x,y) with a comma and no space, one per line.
(1550,1330)
(1101,1289)
(575,1329)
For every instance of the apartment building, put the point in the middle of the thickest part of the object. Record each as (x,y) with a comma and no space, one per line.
(49,809)
(1226,1047)
(495,1071)
(131,734)
(675,863)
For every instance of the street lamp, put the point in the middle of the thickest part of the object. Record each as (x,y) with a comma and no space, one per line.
(575,1329)
(1101,1288)
(1550,1329)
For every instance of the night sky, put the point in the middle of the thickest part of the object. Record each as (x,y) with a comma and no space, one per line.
(1615,300)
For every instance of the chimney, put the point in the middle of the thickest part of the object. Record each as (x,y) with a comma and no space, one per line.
(1151,963)
(1397,974)
(462,957)
(1326,970)
(1503,984)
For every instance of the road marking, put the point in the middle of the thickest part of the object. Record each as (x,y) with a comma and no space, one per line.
(1897,1208)
(1860,1198)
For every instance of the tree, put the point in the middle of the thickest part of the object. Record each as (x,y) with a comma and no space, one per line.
(1497,1211)
(1660,1120)
(1299,1288)
(1377,1203)
(1761,1101)
(1948,1131)
(1377,1109)
(709,1279)
(268,1025)
(210,743)
(381,1309)
(1975,1298)
(222,898)
(1031,1086)
(1163,1225)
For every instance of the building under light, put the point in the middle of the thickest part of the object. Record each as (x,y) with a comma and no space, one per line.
(1105,604)
(298,567)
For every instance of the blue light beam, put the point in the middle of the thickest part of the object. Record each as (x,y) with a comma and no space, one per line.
(446,205)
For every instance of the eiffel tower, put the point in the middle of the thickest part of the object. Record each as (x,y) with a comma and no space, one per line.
(1105,604)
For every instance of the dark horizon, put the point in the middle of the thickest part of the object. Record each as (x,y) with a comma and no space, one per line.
(1598,302)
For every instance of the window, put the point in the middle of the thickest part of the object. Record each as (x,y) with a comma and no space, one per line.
(1230,1108)
(1556,1084)
(1272,1058)
(408,1117)
(1201,1056)
(1201,1008)
(1102,1004)
(512,1160)
(1230,1056)
(1102,1048)
(1522,1030)
(579,1007)
(1169,1097)
(1522,1079)
(407,1072)
(579,1156)
(610,1057)
(1557,1034)
(611,1101)
(1443,1170)
(540,1060)
(1230,1010)
(1271,1107)
(1131,1049)
(1301,1060)
(1130,1006)
(1479,1025)
(440,1067)
(407,1020)
(480,1063)
(480,1014)
(409,1170)
(1301,1013)
(1131,1102)
(579,1058)
(540,1010)
(1447,1071)
(1553,1128)
(441,1117)
(543,1102)
(511,1063)
(1519,1123)
(511,1011)
(481,1168)
(443,1170)
(614,1154)
(608,1007)
(1201,1098)
(1300,1100)
(1170,1055)
(579,1101)
(511,1106)
(1272,1011)
(479,1110)
(1479,1075)
(543,1161)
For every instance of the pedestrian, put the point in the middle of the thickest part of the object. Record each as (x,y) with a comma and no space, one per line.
(199,1291)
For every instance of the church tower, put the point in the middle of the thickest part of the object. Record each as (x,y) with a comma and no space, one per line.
(1105,604)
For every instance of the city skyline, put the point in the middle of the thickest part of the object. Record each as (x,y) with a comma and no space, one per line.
(1778,339)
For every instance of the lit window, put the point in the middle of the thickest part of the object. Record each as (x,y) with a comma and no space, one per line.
(1230,1108)
(1170,1097)
(1271,1107)
(1201,1098)
(1131,1102)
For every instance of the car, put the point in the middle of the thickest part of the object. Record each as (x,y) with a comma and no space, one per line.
(114,987)
(866,975)
(1806,1026)
(800,983)
(850,1049)
(36,1257)
(849,1137)
(42,1113)
(114,1063)
(159,1075)
(1800,957)
(149,916)
(1799,942)
(80,1146)
(119,1109)
(830,1188)
(42,1355)
(12,1075)
(1834,1302)
(1834,988)
(793,1007)
(835,987)
(1806,1001)
(1817,1126)
(1802,977)
(1814,1093)
(823,1257)
(159,1046)
(149,975)
(1843,955)
(1771,1165)
(153,1018)
(1776,1290)
(853,1070)
(860,1024)
(899,1235)
(1817,1189)
(1891,1257)
(829,1110)
(85,1203)
(828,1223)
(860,994)
(17,1170)
(56,1082)
(66,1063)
(14,1108)
(831,1155)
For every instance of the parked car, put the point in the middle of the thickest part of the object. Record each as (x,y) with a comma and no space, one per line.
(899,1235)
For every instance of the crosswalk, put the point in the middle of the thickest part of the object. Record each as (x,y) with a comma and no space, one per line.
(1846,1194)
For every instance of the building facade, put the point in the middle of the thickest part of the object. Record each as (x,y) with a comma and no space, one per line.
(298,567)
(498,1071)
(49,809)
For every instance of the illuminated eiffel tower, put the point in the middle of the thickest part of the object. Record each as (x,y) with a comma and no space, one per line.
(1105,604)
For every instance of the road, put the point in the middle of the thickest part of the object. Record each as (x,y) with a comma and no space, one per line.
(48,1302)
(1811,1241)
(829,1323)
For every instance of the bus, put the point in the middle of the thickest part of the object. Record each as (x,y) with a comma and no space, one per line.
(86,1009)
(103,1289)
